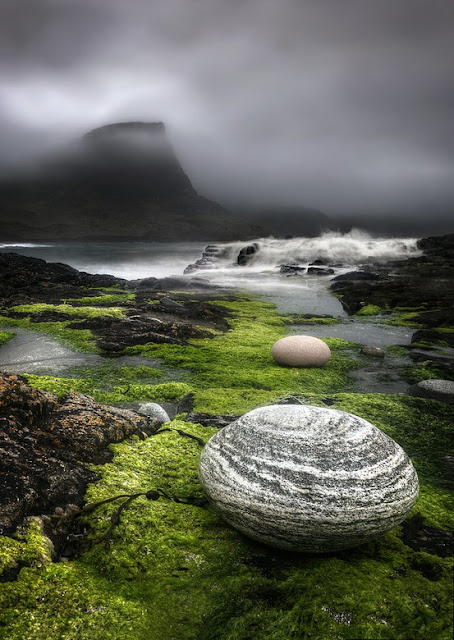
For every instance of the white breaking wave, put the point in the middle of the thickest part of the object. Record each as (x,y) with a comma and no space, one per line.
(352,248)
(22,245)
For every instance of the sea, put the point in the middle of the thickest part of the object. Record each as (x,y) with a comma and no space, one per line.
(302,293)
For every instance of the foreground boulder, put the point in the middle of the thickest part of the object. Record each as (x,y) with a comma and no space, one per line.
(307,479)
(301,351)
(45,444)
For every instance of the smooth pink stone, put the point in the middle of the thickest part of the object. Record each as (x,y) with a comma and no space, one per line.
(301,351)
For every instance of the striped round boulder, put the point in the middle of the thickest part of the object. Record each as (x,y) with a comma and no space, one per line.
(307,479)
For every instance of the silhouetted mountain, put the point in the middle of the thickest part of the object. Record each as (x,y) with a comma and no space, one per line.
(121,181)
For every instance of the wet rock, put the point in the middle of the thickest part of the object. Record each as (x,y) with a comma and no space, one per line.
(24,280)
(429,358)
(172,305)
(442,390)
(196,310)
(437,338)
(301,351)
(116,334)
(46,443)
(307,478)
(146,283)
(246,254)
(186,404)
(356,275)
(210,258)
(424,280)
(320,271)
(154,411)
(207,420)
(292,269)
(373,352)
(421,537)
(289,400)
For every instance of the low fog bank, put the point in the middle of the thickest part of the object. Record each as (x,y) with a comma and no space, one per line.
(131,160)
(283,221)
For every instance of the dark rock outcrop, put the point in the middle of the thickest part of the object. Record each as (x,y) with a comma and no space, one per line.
(320,271)
(436,338)
(292,269)
(247,253)
(24,279)
(356,275)
(45,444)
(115,334)
(425,280)
(206,420)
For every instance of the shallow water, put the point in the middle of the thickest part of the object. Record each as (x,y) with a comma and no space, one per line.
(33,352)
(30,351)
(359,331)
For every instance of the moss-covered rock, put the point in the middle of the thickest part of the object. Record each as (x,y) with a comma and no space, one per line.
(5,336)
(368,310)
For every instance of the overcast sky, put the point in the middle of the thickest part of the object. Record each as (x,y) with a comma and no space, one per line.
(343,105)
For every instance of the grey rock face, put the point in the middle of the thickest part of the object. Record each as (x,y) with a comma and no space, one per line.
(442,390)
(307,479)
(155,411)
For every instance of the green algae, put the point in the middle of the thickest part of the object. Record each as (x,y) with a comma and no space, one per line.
(234,372)
(118,394)
(5,336)
(80,312)
(175,571)
(405,319)
(107,298)
(28,547)
(420,371)
(368,310)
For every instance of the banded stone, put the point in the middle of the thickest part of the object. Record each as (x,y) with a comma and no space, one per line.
(307,479)
(301,351)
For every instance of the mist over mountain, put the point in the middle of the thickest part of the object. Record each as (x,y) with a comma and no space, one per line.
(342,107)
(120,181)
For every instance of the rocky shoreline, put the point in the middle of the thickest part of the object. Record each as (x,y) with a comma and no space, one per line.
(65,443)
(420,289)
(422,283)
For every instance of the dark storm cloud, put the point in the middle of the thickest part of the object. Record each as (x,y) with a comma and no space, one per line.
(340,104)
